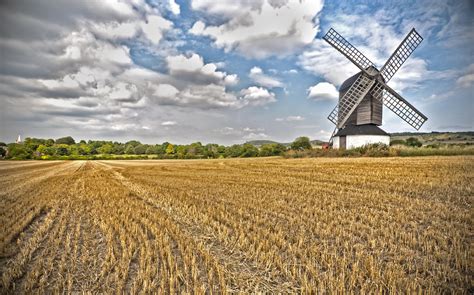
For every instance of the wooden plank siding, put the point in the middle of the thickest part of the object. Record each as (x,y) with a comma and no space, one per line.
(369,111)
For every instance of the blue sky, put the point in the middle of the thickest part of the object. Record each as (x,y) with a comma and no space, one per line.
(220,71)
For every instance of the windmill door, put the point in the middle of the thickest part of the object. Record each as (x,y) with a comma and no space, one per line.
(342,142)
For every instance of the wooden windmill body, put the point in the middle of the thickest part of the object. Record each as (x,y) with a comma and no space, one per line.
(361,97)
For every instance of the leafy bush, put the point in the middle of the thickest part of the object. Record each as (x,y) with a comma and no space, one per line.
(433,146)
(414,142)
(398,142)
(374,150)
(249,150)
(271,149)
(3,151)
(381,150)
(233,151)
(18,151)
(445,151)
(47,149)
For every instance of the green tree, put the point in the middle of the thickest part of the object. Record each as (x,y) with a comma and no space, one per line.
(152,150)
(140,149)
(33,143)
(3,151)
(221,151)
(119,148)
(62,149)
(233,151)
(49,151)
(49,142)
(249,150)
(73,150)
(133,143)
(164,146)
(195,149)
(84,149)
(271,149)
(106,149)
(41,149)
(301,143)
(65,140)
(129,150)
(211,150)
(279,149)
(159,149)
(170,149)
(182,151)
(18,151)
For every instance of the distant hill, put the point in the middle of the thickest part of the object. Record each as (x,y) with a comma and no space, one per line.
(317,142)
(258,143)
(435,137)
(466,137)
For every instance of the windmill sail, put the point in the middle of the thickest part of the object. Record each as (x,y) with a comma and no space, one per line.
(333,115)
(397,104)
(352,98)
(346,48)
(364,93)
(401,54)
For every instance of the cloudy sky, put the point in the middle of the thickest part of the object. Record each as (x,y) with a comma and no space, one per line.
(222,71)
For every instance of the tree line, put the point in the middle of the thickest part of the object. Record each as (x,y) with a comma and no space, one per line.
(68,148)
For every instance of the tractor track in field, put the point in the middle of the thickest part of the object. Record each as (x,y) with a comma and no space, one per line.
(237,265)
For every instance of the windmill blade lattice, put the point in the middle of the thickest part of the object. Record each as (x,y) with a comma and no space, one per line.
(401,54)
(347,49)
(397,104)
(368,91)
(353,97)
(333,115)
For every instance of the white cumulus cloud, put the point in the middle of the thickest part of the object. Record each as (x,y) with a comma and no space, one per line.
(153,28)
(174,7)
(165,90)
(323,91)
(377,44)
(259,29)
(257,96)
(169,123)
(290,119)
(252,136)
(192,68)
(259,77)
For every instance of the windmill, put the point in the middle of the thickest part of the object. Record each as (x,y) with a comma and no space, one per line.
(359,111)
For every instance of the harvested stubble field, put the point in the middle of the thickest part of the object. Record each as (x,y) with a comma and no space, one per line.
(243,225)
